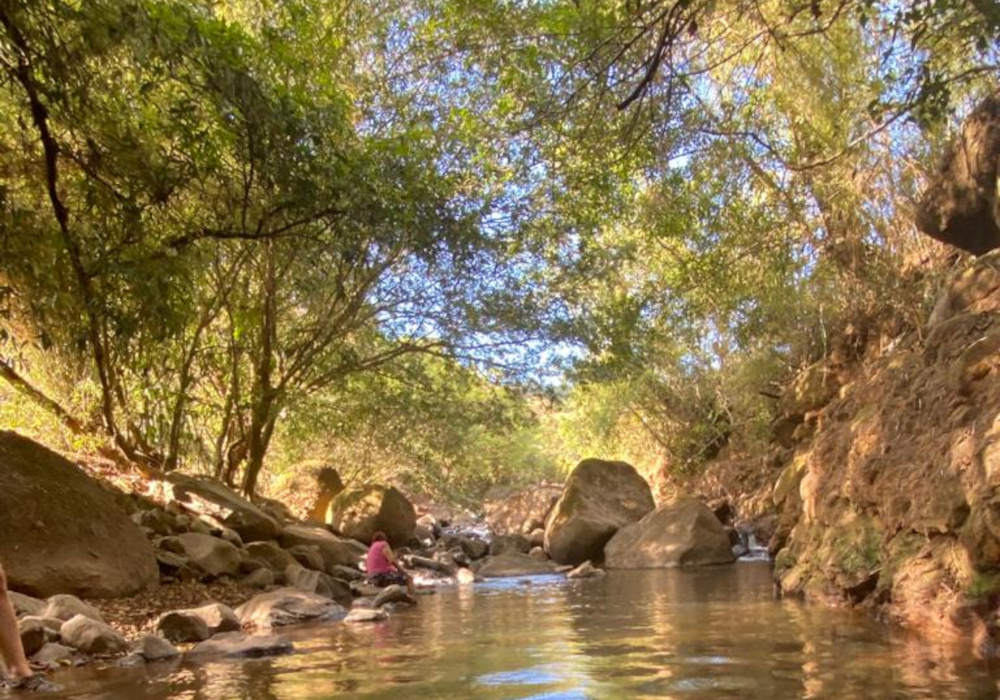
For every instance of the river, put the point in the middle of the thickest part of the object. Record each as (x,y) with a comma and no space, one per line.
(692,635)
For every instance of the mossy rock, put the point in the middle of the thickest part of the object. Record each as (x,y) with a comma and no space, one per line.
(789,479)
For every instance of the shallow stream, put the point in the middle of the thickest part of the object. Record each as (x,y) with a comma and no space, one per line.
(688,635)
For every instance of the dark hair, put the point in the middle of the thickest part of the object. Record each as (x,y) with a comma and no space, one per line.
(378,536)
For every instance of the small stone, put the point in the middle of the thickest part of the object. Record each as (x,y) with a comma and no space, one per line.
(301,578)
(538,553)
(271,554)
(92,637)
(35,634)
(585,570)
(52,655)
(231,536)
(465,577)
(308,556)
(261,578)
(154,648)
(25,605)
(212,556)
(66,607)
(394,594)
(180,627)
(238,645)
(201,527)
(171,544)
(218,617)
(366,615)
(345,573)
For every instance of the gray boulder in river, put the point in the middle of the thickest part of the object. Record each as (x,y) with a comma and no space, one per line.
(599,498)
(685,533)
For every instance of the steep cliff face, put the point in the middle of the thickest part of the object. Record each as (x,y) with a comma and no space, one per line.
(891,498)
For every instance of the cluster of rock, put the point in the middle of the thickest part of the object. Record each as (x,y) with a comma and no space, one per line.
(606,513)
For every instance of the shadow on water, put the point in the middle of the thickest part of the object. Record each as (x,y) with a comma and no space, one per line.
(688,635)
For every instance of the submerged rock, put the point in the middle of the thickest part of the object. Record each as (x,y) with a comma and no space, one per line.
(585,570)
(599,498)
(685,533)
(393,594)
(287,606)
(366,615)
(513,564)
(239,645)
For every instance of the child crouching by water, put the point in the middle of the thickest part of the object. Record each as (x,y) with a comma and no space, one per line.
(383,568)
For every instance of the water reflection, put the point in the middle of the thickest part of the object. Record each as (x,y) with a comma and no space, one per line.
(711,634)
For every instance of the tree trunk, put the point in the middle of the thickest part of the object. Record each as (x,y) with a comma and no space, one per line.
(263,413)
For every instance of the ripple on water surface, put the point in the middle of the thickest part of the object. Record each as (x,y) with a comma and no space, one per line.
(688,635)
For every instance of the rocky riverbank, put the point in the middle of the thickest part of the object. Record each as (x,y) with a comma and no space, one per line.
(180,564)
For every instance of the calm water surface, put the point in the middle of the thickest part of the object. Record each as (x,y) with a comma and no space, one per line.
(651,634)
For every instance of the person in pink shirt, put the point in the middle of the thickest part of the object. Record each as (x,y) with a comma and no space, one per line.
(382,566)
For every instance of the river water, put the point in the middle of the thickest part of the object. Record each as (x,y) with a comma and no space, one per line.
(688,635)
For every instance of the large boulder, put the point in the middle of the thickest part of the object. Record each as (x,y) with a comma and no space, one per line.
(599,498)
(960,205)
(361,511)
(685,533)
(308,488)
(522,512)
(336,552)
(205,496)
(514,564)
(63,532)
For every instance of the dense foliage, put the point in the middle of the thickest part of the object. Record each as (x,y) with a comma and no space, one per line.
(462,243)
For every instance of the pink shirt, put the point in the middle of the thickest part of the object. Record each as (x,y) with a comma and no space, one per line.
(378,562)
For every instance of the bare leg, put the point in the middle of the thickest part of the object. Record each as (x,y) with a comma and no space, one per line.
(11,650)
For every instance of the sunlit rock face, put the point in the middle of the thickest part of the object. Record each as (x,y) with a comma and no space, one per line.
(961,206)
(599,498)
(685,533)
(892,503)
